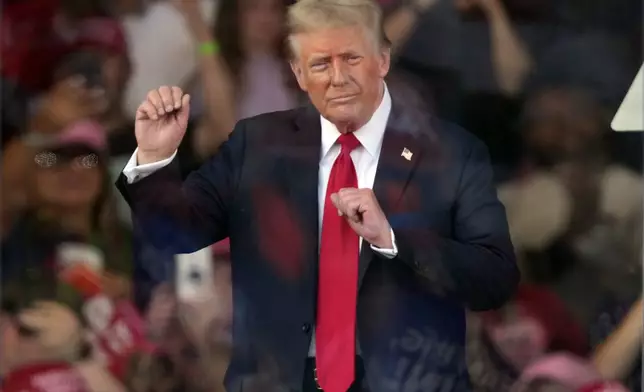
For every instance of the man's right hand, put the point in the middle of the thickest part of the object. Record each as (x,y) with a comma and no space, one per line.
(161,122)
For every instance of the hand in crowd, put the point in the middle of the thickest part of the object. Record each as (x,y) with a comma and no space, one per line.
(58,328)
(161,310)
(161,122)
(197,318)
(116,286)
(71,100)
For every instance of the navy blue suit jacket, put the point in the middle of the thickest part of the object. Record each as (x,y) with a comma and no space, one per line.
(261,190)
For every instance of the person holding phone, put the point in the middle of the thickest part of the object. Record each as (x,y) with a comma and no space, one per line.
(69,201)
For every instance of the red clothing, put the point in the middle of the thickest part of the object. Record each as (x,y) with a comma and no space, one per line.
(338,280)
(116,332)
(30,44)
(44,377)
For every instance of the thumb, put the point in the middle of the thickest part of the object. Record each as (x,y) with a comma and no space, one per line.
(184,113)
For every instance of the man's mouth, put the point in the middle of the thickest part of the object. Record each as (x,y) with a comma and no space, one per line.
(343,99)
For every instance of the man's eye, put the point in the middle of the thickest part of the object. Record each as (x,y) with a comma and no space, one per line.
(353,59)
(318,66)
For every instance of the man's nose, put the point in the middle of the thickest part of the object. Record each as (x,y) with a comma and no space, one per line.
(339,73)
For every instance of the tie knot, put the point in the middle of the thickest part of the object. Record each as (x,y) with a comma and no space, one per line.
(348,142)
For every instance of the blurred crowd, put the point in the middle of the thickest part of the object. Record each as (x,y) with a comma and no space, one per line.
(88,305)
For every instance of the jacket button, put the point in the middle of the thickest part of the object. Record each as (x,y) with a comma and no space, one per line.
(306,327)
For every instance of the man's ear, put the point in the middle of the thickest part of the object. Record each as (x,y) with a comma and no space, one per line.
(299,74)
(385,61)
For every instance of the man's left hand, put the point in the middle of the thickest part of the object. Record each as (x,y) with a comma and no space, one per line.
(366,218)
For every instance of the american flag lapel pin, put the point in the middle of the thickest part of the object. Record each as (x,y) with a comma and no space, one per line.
(406,154)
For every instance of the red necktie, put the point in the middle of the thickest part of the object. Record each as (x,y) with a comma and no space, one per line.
(338,281)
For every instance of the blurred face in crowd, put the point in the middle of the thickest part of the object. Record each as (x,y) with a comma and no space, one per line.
(342,70)
(563,126)
(68,177)
(89,84)
(262,23)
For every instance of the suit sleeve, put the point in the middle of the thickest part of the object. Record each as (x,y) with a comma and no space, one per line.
(183,217)
(476,266)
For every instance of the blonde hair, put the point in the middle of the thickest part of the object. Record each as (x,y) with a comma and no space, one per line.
(313,15)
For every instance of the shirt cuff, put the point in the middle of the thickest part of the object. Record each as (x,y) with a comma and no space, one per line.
(388,253)
(134,172)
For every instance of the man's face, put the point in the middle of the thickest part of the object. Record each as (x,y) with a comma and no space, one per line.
(342,70)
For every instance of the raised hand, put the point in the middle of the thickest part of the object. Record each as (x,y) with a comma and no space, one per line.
(58,329)
(161,122)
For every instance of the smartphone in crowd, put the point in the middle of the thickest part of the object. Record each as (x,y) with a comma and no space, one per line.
(81,266)
(195,274)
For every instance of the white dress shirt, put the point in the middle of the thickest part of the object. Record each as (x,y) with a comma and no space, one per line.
(365,158)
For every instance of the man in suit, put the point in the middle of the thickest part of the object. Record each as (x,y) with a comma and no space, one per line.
(358,233)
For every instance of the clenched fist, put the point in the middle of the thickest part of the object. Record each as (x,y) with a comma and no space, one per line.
(364,215)
(161,122)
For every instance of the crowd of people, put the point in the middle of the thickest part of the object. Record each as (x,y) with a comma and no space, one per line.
(88,304)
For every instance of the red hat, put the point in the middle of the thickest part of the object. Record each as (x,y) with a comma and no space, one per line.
(105,34)
(87,133)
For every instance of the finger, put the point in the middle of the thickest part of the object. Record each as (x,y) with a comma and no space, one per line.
(154,97)
(352,209)
(184,113)
(345,195)
(40,304)
(177,97)
(341,201)
(44,308)
(32,318)
(345,192)
(147,111)
(335,199)
(166,97)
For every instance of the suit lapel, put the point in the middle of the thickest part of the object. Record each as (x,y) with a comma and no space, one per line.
(400,155)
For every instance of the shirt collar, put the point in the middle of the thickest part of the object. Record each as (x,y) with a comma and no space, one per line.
(370,135)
